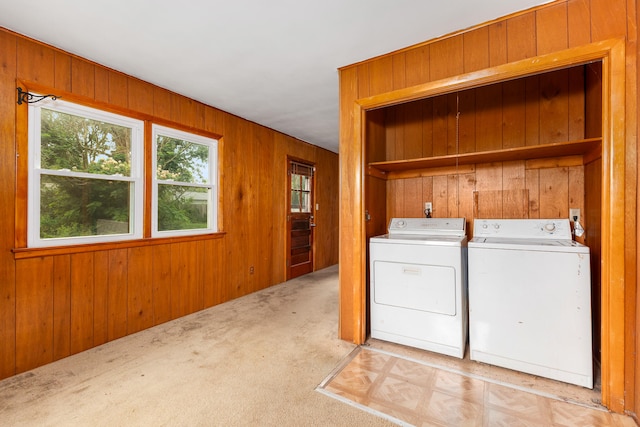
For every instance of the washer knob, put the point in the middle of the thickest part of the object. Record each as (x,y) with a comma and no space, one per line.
(549,227)
(402,223)
(496,226)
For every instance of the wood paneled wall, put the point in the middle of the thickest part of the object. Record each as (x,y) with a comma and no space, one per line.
(541,109)
(543,30)
(55,305)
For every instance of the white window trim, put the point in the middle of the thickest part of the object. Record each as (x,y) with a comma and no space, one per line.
(212,217)
(136,214)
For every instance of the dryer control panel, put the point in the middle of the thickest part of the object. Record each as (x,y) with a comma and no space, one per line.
(428,226)
(556,229)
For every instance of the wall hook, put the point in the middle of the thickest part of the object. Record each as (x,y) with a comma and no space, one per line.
(30,98)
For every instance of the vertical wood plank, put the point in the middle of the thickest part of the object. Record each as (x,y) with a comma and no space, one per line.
(514,114)
(140,96)
(118,89)
(497,44)
(449,51)
(607,20)
(467,121)
(427,127)
(100,297)
(101,88)
(412,144)
(466,186)
(514,201)
(380,76)
(489,118)
(532,110)
(440,196)
(476,49)
(417,66)
(554,193)
(139,289)
(532,186)
(184,279)
(488,189)
(61,306)
(35,63)
(440,125)
(413,203)
(576,103)
(8,67)
(62,78)
(117,303)
(577,191)
(82,300)
(552,28)
(578,22)
(161,284)
(83,78)
(34,313)
(554,107)
(452,196)
(162,103)
(521,37)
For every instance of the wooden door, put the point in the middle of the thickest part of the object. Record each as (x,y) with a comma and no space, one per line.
(300,219)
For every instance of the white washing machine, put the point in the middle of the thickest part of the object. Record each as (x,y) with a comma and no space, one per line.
(418,286)
(530,299)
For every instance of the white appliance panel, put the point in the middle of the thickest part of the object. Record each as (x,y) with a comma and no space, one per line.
(418,289)
(530,308)
(421,287)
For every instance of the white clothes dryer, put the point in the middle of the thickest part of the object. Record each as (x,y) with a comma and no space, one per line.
(530,299)
(418,284)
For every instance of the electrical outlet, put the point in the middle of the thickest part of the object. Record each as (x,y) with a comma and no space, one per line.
(574,214)
(428,206)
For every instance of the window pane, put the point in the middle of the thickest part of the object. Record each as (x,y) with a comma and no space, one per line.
(295,201)
(73,207)
(295,181)
(306,183)
(180,160)
(305,205)
(81,144)
(182,207)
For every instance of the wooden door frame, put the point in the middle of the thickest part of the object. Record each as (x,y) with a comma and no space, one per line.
(612,55)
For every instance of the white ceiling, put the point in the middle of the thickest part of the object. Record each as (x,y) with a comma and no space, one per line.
(272,62)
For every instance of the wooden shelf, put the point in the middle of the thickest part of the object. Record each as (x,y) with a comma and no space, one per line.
(560,149)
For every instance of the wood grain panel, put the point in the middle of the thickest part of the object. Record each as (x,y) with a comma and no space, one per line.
(576,102)
(552,33)
(61,306)
(118,89)
(554,107)
(7,204)
(476,49)
(140,96)
(440,196)
(413,203)
(183,110)
(35,62)
(578,22)
(34,313)
(427,127)
(533,189)
(381,78)
(608,19)
(467,121)
(161,284)
(83,78)
(440,125)
(452,196)
(100,297)
(514,109)
(532,110)
(162,103)
(101,88)
(515,201)
(140,289)
(399,70)
(489,118)
(117,302)
(412,139)
(417,66)
(450,55)
(497,44)
(185,279)
(554,193)
(62,78)
(521,37)
(82,299)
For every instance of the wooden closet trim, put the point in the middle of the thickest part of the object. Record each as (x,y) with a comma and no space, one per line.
(612,54)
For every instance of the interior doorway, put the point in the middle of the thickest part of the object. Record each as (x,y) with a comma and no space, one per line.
(300,219)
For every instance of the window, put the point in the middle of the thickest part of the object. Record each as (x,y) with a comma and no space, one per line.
(85,175)
(301,176)
(184,183)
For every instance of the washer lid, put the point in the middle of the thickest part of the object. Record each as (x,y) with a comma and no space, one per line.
(544,245)
(428,226)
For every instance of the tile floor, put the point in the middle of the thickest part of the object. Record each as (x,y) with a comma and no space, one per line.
(413,392)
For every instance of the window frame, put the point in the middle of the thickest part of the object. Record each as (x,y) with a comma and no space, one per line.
(35,173)
(212,184)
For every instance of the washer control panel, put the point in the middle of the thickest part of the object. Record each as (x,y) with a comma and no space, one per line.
(428,226)
(556,229)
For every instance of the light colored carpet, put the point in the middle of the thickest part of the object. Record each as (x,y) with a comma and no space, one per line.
(253,361)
